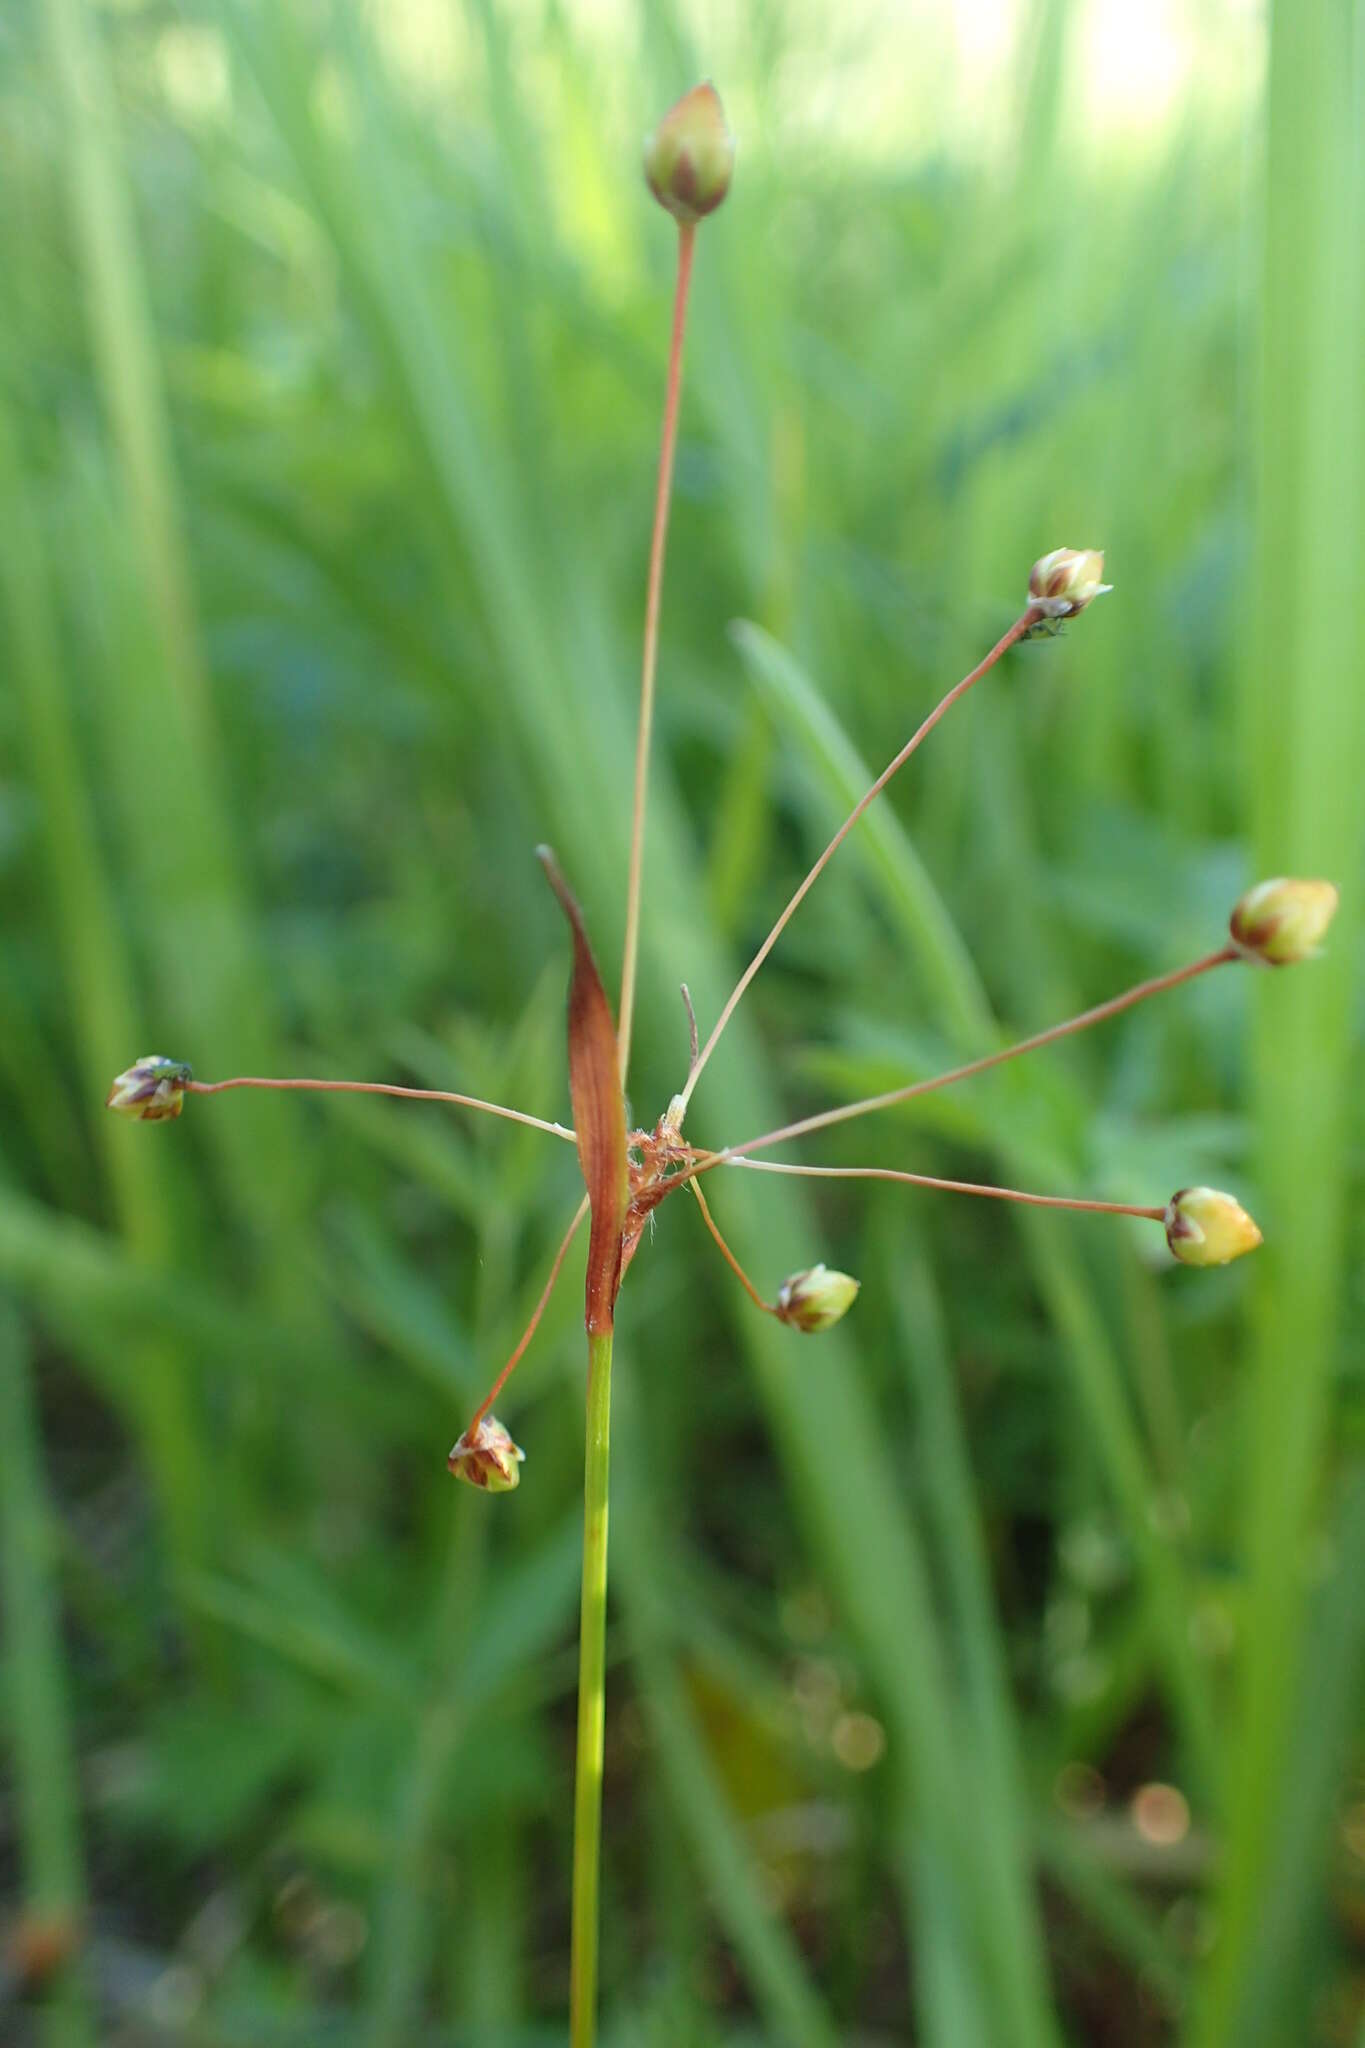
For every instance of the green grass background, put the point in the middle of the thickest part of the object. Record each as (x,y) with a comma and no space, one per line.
(331,354)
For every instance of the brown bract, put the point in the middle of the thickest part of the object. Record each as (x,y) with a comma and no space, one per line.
(657,1157)
(599,1110)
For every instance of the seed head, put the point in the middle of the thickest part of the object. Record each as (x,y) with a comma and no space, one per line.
(815,1299)
(1205,1227)
(1063,583)
(690,156)
(1282,922)
(488,1458)
(152,1089)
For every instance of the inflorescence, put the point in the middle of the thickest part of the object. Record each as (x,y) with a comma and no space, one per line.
(629,1174)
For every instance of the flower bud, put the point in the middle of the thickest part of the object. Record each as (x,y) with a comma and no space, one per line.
(1282,922)
(1063,583)
(690,156)
(1205,1227)
(489,1458)
(815,1299)
(153,1088)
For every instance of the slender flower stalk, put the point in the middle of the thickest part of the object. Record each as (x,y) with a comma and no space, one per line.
(514,1116)
(1023,625)
(1158,985)
(951,1187)
(769,1308)
(529,1332)
(687,236)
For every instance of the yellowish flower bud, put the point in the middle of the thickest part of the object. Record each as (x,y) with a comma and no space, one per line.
(152,1089)
(1282,922)
(1063,583)
(488,1459)
(690,156)
(815,1299)
(1205,1227)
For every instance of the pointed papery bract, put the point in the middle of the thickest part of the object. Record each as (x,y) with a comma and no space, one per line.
(599,1109)
(486,1457)
(1283,922)
(151,1090)
(1205,1227)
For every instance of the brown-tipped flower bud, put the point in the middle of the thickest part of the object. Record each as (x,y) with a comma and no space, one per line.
(1205,1227)
(1282,922)
(1063,583)
(690,156)
(152,1089)
(812,1300)
(488,1458)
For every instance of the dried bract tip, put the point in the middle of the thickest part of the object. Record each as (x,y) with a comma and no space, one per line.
(1282,922)
(152,1089)
(488,1458)
(1205,1227)
(690,156)
(1063,583)
(815,1299)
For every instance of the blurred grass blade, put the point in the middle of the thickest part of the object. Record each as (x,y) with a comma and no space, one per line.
(313,1634)
(952,1510)
(765,1947)
(1305,1818)
(42,1746)
(1106,1903)
(770,1958)
(97,976)
(949,979)
(166,748)
(1305,734)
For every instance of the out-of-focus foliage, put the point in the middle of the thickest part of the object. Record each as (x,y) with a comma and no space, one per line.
(989,1669)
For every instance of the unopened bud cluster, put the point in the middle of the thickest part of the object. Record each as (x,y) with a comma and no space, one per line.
(1205,1227)
(1280,923)
(690,157)
(486,1457)
(151,1090)
(815,1299)
(1062,584)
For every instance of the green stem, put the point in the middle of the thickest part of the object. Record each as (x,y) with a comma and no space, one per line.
(592,1666)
